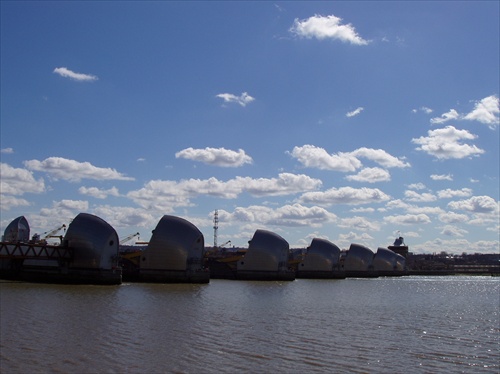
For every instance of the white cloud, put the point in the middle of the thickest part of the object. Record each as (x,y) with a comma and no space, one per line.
(344,240)
(370,175)
(416,197)
(74,171)
(243,99)
(452,217)
(128,217)
(408,219)
(98,193)
(476,204)
(285,184)
(344,195)
(414,209)
(315,157)
(445,117)
(428,210)
(486,111)
(7,150)
(359,223)
(326,27)
(216,156)
(16,181)
(446,143)
(362,210)
(65,210)
(66,73)
(416,186)
(355,112)
(449,193)
(397,204)
(381,157)
(442,177)
(449,230)
(288,215)
(158,194)
(7,202)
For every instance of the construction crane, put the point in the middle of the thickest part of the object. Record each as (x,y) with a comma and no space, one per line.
(129,237)
(49,234)
(52,233)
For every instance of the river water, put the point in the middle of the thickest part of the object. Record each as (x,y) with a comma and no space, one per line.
(383,325)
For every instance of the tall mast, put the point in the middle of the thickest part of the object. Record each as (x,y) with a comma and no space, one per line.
(216,226)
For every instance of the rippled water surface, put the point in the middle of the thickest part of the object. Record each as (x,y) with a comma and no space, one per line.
(384,325)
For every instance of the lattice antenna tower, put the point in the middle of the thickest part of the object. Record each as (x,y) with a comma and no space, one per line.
(216,227)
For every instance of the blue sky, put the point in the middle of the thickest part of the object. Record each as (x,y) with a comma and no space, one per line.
(350,121)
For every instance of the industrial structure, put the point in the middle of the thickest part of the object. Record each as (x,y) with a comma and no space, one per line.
(17,231)
(265,259)
(174,254)
(358,262)
(322,260)
(388,263)
(88,253)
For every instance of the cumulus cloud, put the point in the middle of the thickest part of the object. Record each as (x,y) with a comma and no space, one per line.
(445,117)
(416,186)
(345,240)
(74,171)
(65,209)
(442,177)
(16,181)
(118,216)
(362,210)
(417,197)
(98,193)
(428,210)
(216,156)
(486,111)
(8,202)
(476,204)
(397,204)
(344,195)
(243,99)
(316,157)
(408,219)
(359,223)
(381,157)
(287,215)
(415,209)
(326,27)
(285,184)
(169,194)
(7,150)
(66,73)
(355,112)
(449,230)
(452,217)
(449,193)
(423,109)
(446,143)
(370,175)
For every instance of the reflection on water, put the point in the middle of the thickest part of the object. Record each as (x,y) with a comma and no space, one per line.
(430,324)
